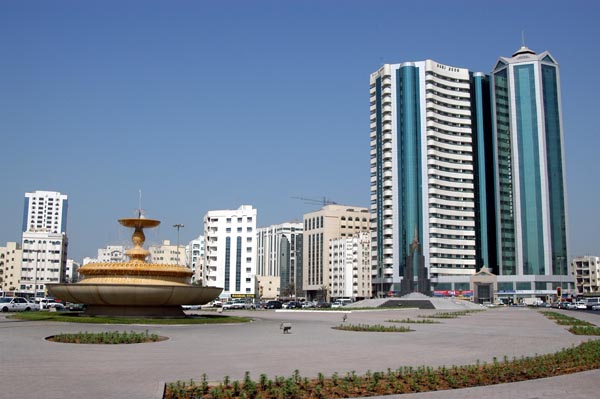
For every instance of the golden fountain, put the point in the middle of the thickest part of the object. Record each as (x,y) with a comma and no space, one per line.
(135,288)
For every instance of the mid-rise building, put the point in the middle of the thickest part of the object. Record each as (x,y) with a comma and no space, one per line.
(44,261)
(230,251)
(330,222)
(195,255)
(10,267)
(44,241)
(350,267)
(529,175)
(587,274)
(167,254)
(112,254)
(279,254)
(72,273)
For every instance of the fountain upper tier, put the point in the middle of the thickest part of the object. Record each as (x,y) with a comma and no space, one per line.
(137,270)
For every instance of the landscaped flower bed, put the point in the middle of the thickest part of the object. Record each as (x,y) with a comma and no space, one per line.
(404,380)
(413,321)
(371,328)
(449,315)
(112,337)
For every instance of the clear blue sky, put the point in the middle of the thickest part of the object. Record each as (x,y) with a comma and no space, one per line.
(212,104)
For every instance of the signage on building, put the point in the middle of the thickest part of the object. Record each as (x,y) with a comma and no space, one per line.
(453,293)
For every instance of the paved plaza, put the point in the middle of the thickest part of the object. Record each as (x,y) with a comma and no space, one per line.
(35,368)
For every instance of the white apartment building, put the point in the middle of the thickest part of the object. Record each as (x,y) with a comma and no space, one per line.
(112,253)
(45,211)
(10,267)
(44,261)
(72,273)
(230,251)
(279,254)
(587,274)
(350,267)
(167,254)
(44,241)
(330,222)
(195,256)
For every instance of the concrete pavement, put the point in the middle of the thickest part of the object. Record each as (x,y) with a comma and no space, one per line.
(35,368)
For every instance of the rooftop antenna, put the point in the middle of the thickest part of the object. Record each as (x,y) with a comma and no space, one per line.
(523,38)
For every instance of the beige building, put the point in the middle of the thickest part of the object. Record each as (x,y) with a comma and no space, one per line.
(268,287)
(330,222)
(11,257)
(587,274)
(168,254)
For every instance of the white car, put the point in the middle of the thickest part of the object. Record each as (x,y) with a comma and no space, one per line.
(16,304)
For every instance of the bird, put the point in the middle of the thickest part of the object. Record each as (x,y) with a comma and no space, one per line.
(344,317)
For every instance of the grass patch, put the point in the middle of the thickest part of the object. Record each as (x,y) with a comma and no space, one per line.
(371,328)
(586,356)
(450,315)
(414,321)
(585,330)
(565,320)
(78,318)
(111,338)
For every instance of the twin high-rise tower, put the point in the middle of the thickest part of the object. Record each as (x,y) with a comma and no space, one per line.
(468,169)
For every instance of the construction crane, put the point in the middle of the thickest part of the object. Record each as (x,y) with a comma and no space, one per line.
(323,201)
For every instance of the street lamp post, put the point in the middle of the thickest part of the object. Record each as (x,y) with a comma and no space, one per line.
(178,226)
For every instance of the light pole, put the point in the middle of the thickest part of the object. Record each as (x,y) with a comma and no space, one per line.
(178,226)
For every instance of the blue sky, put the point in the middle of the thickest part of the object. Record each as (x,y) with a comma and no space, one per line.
(210,105)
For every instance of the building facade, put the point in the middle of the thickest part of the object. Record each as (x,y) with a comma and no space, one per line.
(587,274)
(44,241)
(330,222)
(529,188)
(11,257)
(422,174)
(350,267)
(112,253)
(72,272)
(230,251)
(195,256)
(279,254)
(167,254)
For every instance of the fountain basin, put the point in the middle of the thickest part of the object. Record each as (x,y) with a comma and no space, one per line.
(134,299)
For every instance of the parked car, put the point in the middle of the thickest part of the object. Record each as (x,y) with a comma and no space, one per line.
(323,305)
(274,305)
(55,305)
(190,307)
(17,304)
(76,307)
(294,305)
(239,304)
(596,307)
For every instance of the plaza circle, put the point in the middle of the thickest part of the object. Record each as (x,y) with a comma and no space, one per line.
(35,368)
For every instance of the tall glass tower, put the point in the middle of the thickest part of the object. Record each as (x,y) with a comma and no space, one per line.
(529,172)
(422,177)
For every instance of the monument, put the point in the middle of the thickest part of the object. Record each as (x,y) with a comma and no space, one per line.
(135,288)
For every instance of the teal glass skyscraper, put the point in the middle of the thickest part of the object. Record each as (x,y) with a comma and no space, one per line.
(529,175)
